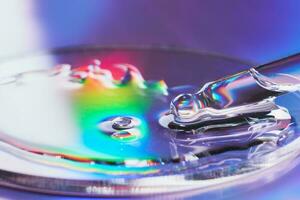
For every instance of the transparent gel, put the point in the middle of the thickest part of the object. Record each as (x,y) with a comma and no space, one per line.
(104,130)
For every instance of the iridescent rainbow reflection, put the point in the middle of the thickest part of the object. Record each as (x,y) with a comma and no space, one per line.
(89,119)
(89,97)
(101,98)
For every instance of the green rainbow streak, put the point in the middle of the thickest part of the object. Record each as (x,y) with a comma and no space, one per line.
(94,103)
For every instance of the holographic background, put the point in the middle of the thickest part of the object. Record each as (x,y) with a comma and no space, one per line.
(255,31)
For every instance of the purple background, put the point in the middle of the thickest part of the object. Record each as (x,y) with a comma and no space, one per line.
(256,31)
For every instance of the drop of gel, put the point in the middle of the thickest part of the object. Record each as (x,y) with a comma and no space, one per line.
(185,106)
(121,123)
(121,128)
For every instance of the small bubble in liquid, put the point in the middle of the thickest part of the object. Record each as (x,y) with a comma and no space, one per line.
(185,106)
(121,123)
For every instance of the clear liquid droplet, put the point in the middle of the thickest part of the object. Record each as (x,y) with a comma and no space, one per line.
(185,106)
(122,123)
(121,128)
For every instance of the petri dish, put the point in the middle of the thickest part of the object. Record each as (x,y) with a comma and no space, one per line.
(84,121)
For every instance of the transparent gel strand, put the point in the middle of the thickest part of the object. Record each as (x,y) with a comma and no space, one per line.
(247,87)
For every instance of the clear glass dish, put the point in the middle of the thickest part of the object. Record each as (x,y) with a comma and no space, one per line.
(52,144)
